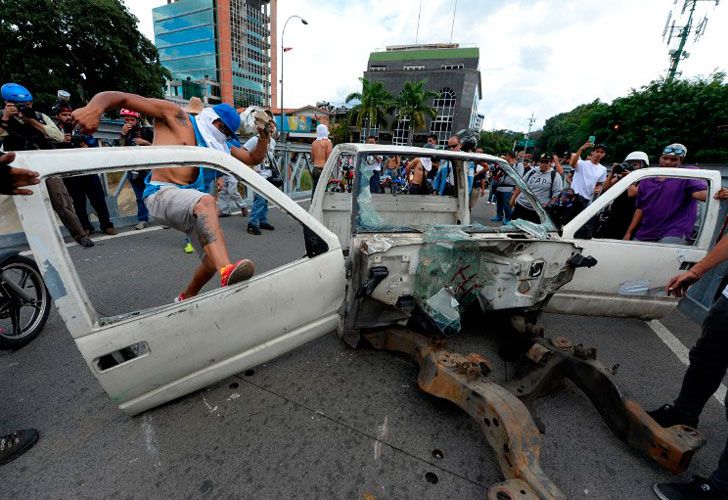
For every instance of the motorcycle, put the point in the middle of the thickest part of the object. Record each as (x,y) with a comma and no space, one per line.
(24,300)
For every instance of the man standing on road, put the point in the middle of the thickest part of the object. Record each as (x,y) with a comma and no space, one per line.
(172,195)
(504,191)
(12,182)
(320,152)
(589,175)
(708,362)
(544,182)
(131,135)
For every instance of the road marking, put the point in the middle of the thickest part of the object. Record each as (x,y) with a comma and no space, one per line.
(681,352)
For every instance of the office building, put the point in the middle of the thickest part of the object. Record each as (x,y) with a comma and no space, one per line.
(220,50)
(449,70)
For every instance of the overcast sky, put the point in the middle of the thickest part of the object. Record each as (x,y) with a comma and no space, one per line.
(540,56)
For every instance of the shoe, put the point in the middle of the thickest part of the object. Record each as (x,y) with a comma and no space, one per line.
(85,241)
(253,229)
(189,248)
(506,222)
(697,489)
(111,230)
(15,444)
(142,224)
(496,219)
(266,226)
(224,214)
(245,211)
(667,416)
(235,273)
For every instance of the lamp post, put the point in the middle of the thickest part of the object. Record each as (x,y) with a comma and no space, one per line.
(283,51)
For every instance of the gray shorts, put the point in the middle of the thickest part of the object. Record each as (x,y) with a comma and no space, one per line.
(174,207)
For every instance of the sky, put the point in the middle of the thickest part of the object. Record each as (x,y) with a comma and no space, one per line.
(540,57)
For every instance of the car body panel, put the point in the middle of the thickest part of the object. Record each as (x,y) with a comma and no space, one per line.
(630,277)
(155,355)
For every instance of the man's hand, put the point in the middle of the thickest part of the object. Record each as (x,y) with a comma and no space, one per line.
(88,118)
(586,145)
(678,285)
(9,111)
(627,236)
(66,137)
(142,142)
(126,128)
(722,194)
(19,177)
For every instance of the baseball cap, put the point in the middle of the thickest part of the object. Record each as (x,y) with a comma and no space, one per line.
(675,149)
(600,146)
(544,157)
(228,116)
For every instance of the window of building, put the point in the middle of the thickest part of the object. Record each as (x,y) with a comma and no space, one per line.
(452,66)
(413,68)
(377,68)
(444,105)
(401,132)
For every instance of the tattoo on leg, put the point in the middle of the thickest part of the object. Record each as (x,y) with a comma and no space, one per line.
(204,232)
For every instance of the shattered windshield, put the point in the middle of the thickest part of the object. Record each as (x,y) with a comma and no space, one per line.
(396,192)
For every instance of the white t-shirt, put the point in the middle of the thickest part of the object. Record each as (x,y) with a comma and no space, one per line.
(250,145)
(586,176)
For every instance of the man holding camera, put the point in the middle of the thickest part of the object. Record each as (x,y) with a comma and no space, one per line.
(21,129)
(132,135)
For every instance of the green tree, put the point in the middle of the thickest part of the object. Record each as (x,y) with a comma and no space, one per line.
(413,103)
(692,112)
(80,46)
(496,142)
(374,100)
(339,132)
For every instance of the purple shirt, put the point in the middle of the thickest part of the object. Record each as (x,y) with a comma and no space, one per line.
(668,207)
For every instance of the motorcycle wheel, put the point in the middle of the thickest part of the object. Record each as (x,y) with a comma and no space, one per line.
(334,187)
(22,320)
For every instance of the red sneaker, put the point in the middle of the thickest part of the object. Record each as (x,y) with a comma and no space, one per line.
(235,273)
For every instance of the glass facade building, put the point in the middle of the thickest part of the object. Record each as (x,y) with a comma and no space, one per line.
(224,41)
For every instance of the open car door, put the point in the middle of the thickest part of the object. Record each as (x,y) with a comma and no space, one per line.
(630,276)
(155,354)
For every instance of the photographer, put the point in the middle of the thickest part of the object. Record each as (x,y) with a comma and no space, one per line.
(623,207)
(133,134)
(21,127)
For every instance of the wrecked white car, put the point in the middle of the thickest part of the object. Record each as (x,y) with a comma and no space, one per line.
(369,265)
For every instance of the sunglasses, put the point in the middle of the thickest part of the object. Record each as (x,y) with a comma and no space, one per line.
(673,151)
(452,146)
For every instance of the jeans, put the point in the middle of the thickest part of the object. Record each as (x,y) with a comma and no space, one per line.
(374,186)
(137,184)
(259,213)
(491,195)
(502,209)
(315,176)
(708,362)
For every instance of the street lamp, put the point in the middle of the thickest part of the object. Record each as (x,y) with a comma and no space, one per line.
(283,51)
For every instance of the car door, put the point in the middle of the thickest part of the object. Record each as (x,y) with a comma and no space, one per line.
(154,355)
(630,276)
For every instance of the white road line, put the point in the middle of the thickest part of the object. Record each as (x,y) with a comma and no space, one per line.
(681,352)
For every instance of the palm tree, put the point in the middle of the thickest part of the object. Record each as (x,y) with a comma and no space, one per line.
(374,100)
(412,103)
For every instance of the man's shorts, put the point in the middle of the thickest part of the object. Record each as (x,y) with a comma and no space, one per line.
(174,207)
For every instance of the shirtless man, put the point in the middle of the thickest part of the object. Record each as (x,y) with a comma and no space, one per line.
(171,195)
(416,173)
(320,152)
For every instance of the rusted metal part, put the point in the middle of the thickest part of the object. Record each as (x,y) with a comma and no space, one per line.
(673,447)
(503,418)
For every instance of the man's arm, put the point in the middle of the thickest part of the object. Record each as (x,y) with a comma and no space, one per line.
(254,156)
(678,285)
(577,156)
(514,196)
(557,165)
(88,117)
(13,179)
(636,221)
(700,195)
(51,130)
(329,149)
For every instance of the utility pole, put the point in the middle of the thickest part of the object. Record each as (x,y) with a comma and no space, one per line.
(531,121)
(682,33)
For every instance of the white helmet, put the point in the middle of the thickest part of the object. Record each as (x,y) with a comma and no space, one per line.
(638,156)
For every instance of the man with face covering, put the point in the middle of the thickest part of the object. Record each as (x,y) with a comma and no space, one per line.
(174,195)
(320,152)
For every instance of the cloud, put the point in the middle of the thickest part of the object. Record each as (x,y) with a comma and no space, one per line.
(540,56)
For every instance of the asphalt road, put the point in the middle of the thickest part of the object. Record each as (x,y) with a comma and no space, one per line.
(323,421)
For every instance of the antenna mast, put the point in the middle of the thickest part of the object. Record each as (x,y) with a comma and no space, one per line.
(682,33)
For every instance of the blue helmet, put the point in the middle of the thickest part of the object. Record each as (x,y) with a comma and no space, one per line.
(228,116)
(14,92)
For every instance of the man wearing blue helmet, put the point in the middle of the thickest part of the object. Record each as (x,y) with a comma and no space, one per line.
(21,127)
(175,196)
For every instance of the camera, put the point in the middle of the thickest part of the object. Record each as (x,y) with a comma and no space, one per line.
(620,168)
(26,110)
